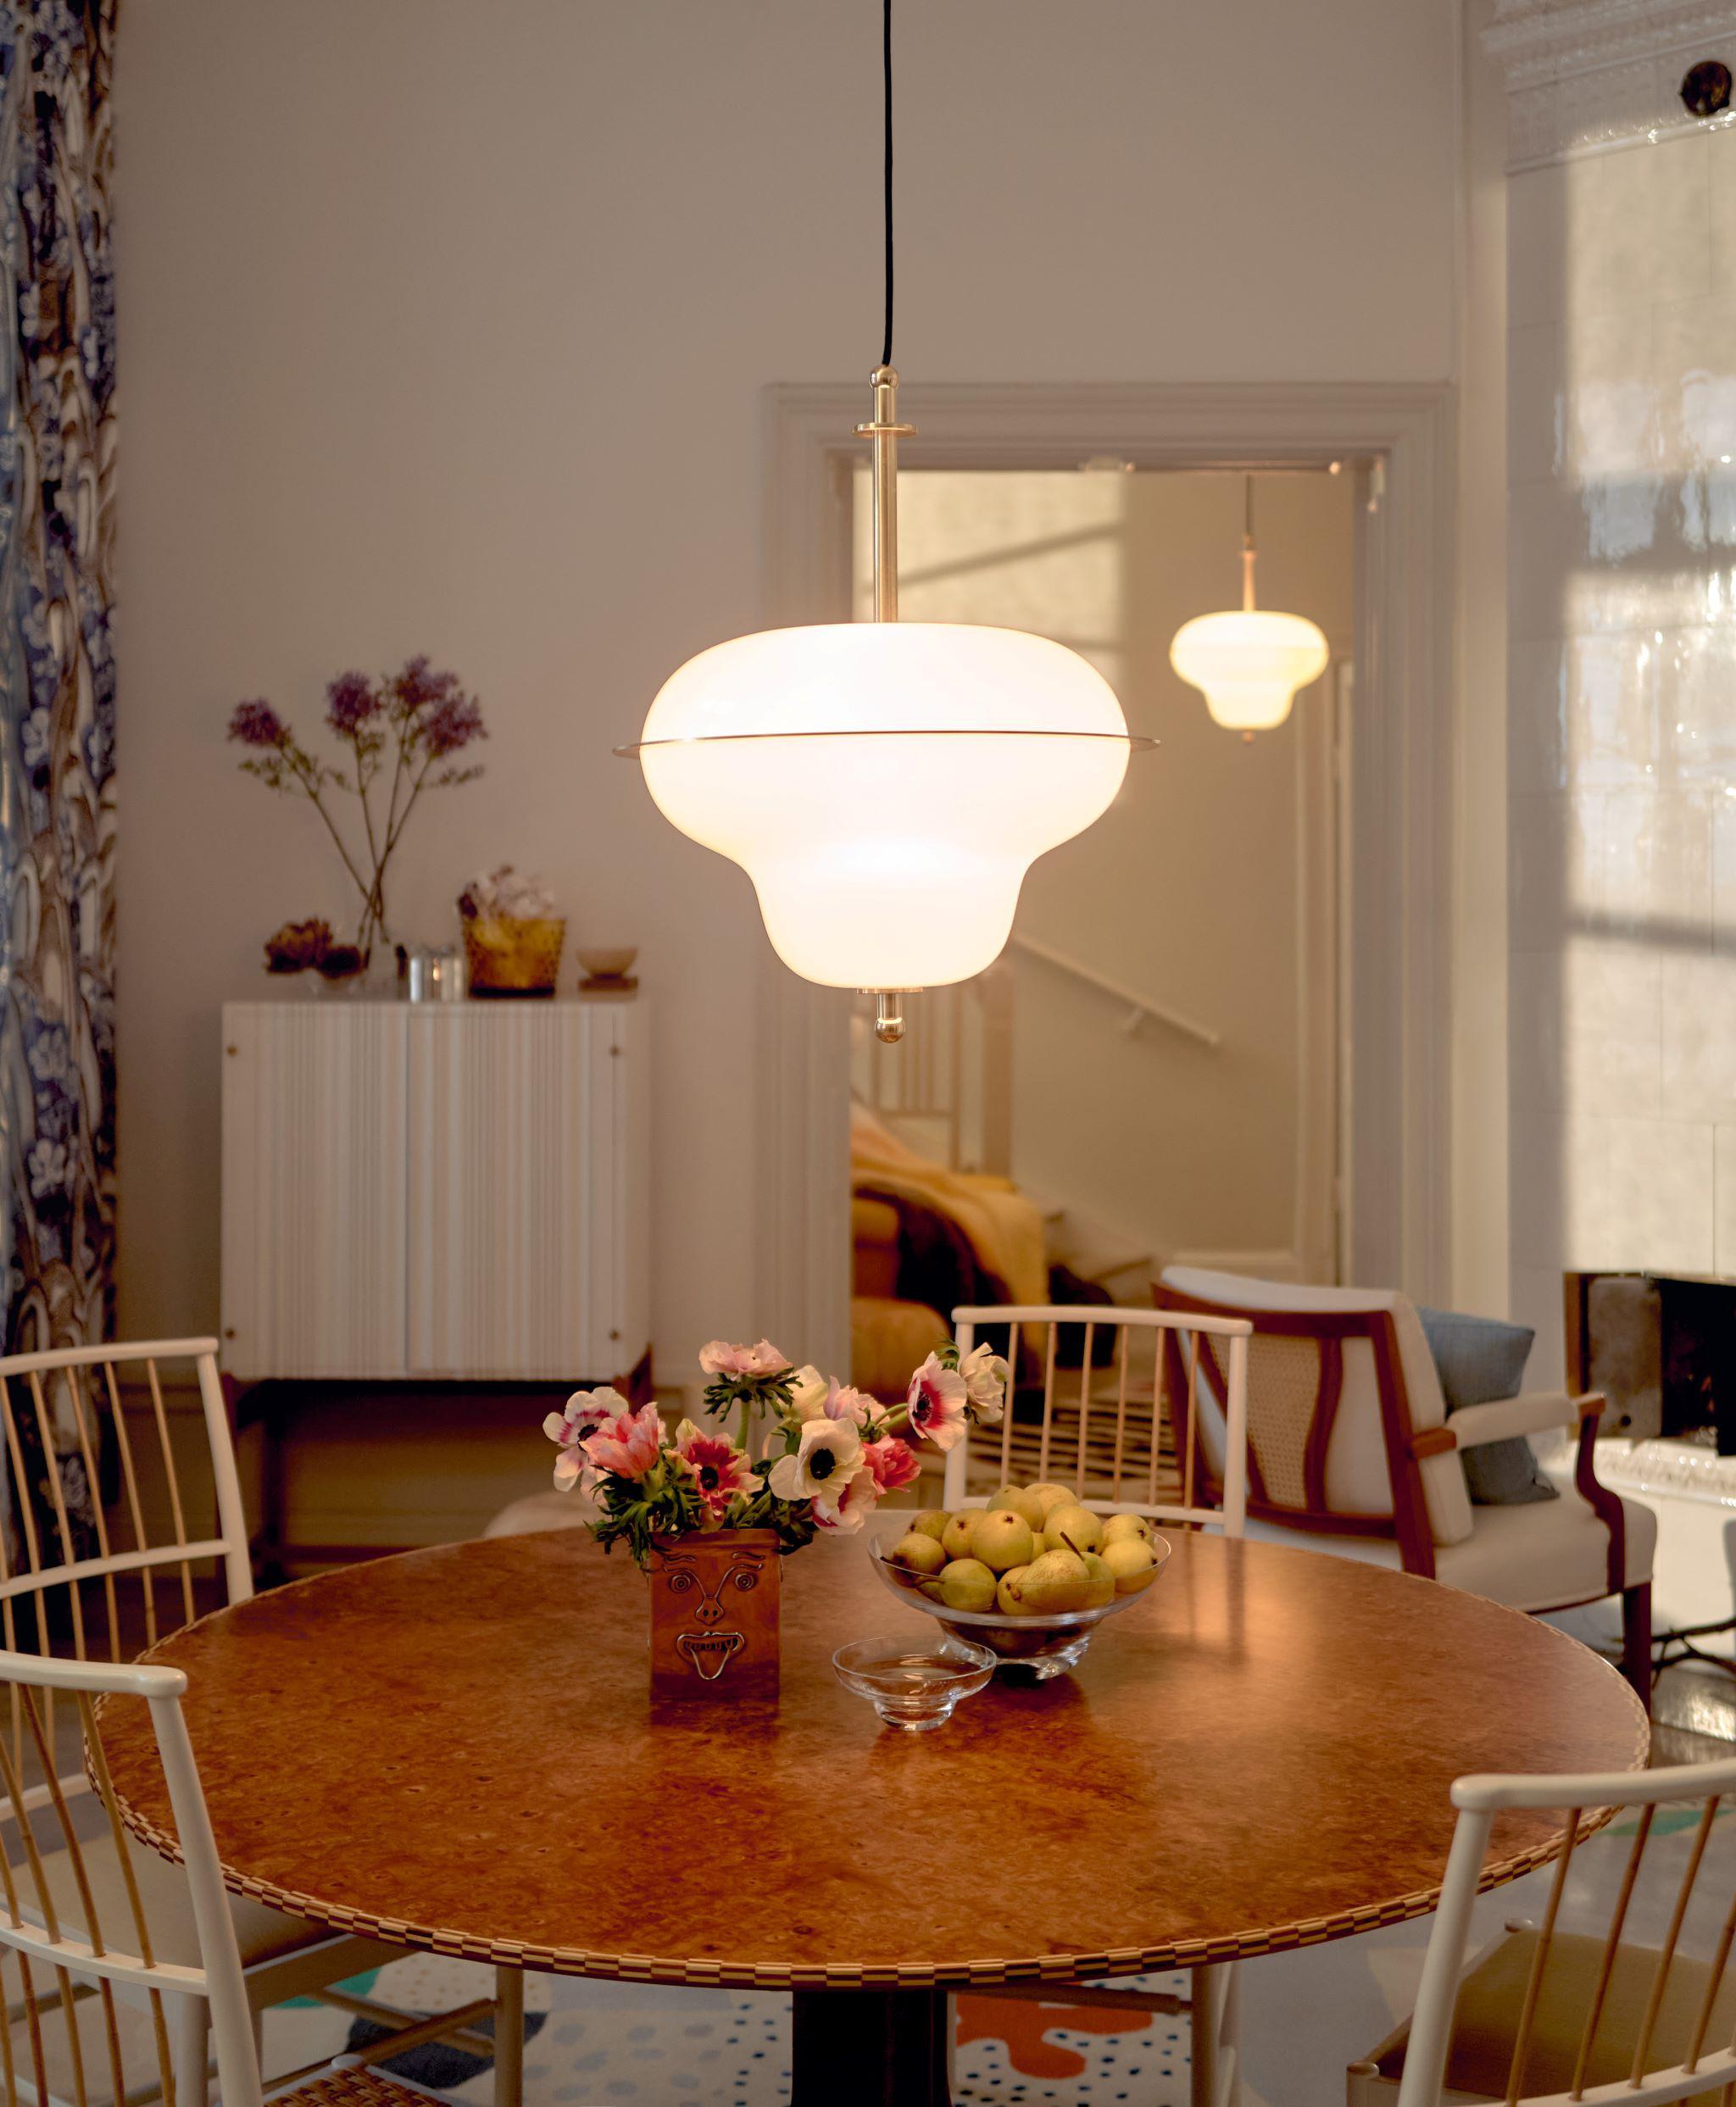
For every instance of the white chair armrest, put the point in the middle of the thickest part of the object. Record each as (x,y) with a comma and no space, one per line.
(1473,1425)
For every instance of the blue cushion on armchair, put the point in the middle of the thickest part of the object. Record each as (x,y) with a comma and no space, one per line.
(1480,1359)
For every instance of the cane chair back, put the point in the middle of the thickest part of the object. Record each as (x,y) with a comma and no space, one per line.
(86,1972)
(1309,1372)
(1591,2016)
(1123,1427)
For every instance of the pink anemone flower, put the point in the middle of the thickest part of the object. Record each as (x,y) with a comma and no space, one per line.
(628,1446)
(892,1463)
(584,1413)
(937,1399)
(717,1467)
(841,1403)
(719,1357)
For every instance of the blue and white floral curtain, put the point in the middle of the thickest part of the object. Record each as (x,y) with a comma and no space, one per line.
(57,676)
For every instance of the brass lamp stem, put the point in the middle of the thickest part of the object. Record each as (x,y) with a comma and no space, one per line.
(1248,545)
(885,430)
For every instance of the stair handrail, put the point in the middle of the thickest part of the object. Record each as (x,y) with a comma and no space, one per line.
(1139,1007)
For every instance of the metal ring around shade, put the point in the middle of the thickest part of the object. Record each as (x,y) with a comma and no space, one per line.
(1135,742)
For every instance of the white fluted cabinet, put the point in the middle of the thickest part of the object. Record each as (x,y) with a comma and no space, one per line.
(449,1192)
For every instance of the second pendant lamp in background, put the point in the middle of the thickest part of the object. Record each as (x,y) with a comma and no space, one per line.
(886,785)
(1248,662)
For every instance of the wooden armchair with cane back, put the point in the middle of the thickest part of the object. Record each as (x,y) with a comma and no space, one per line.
(1351,1450)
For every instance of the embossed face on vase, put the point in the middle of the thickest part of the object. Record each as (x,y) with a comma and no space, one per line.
(709,1649)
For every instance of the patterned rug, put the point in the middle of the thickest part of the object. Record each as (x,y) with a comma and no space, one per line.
(594,2043)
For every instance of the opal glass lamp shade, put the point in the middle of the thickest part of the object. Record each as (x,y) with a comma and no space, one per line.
(885,785)
(1248,664)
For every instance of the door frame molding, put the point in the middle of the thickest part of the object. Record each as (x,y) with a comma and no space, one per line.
(1400,794)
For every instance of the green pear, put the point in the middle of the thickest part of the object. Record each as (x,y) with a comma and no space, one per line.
(957,1535)
(932,1522)
(1052,1584)
(1012,1500)
(1005,1599)
(916,1558)
(1101,1580)
(968,1584)
(1073,1528)
(1133,1562)
(1053,1495)
(1119,1526)
(1003,1540)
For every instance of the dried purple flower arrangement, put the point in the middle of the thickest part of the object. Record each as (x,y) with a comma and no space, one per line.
(404,731)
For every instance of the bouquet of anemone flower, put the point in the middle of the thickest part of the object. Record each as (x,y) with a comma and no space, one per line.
(827,1452)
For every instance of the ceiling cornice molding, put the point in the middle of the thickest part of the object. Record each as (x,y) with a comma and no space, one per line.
(1584,75)
(1546,40)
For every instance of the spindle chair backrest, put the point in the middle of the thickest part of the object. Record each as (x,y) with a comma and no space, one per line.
(1125,1435)
(84,1972)
(102,1577)
(1684,2044)
(101,1542)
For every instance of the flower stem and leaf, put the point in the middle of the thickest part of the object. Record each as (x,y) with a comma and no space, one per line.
(401,730)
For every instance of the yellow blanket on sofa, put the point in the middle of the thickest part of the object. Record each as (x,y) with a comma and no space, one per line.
(1003,1227)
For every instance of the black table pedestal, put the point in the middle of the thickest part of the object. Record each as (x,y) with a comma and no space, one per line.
(869,2049)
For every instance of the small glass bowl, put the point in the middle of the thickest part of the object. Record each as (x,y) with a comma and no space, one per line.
(914,1683)
(1040,1645)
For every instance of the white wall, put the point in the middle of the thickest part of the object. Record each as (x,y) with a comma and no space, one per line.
(442,329)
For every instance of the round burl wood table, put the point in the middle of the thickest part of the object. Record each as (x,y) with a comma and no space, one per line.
(459,1750)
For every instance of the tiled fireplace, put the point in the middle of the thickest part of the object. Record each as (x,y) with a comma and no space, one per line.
(1621,464)
(1622,633)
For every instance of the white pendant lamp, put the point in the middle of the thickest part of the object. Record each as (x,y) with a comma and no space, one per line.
(1248,662)
(885,784)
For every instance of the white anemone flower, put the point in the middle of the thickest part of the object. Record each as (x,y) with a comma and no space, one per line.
(985,1374)
(845,1506)
(809,1390)
(827,1457)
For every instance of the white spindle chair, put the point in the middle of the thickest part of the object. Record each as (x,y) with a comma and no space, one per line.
(52,1965)
(1550,2015)
(1104,1431)
(59,1595)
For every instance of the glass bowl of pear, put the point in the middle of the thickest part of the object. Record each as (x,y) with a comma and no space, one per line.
(1030,1575)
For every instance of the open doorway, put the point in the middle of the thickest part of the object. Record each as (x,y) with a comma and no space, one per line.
(1397,443)
(1153,1072)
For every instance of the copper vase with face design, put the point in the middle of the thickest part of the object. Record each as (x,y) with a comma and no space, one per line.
(714,1612)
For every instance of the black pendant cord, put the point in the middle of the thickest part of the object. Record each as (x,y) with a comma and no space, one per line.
(886,75)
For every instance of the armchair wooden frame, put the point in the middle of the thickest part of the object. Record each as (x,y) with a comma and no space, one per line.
(1405,1448)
